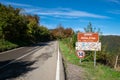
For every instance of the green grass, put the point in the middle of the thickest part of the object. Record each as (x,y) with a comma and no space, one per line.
(69,55)
(6,45)
(100,72)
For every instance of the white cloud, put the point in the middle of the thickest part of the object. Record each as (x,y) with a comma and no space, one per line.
(64,13)
(17,4)
(57,12)
(31,10)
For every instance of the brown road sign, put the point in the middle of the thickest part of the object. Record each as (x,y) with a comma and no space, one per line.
(88,37)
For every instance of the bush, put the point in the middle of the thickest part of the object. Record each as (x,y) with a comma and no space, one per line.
(6,45)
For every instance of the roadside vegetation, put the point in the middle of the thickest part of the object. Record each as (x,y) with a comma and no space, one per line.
(18,29)
(7,45)
(100,72)
(106,58)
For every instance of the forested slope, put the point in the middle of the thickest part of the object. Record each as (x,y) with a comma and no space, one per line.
(111,43)
(20,29)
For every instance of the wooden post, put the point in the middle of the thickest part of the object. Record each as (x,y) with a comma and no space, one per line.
(116,62)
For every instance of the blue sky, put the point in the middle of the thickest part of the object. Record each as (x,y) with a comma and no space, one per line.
(103,14)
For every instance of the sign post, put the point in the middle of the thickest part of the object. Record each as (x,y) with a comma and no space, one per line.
(80,61)
(88,42)
(95,59)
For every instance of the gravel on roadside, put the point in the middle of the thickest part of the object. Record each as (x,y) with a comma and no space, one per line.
(74,72)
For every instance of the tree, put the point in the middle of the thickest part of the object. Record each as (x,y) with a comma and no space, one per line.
(32,24)
(68,32)
(44,33)
(13,24)
(90,29)
(60,32)
(20,28)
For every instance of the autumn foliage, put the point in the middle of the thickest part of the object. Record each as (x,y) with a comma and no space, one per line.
(60,32)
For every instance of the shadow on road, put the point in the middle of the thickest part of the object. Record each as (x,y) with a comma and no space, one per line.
(41,44)
(15,69)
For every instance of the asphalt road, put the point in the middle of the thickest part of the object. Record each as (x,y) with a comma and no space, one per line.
(39,62)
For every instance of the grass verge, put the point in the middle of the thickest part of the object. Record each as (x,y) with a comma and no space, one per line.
(100,72)
(69,55)
(6,45)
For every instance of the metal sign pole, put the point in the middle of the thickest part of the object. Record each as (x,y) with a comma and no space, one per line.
(80,61)
(95,58)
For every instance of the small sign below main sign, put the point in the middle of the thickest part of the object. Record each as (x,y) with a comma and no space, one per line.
(88,37)
(88,46)
(80,54)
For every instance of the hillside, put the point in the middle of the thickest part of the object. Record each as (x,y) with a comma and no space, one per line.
(111,43)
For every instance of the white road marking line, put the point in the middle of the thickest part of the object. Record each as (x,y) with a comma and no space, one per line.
(16,49)
(11,50)
(27,54)
(58,67)
(19,58)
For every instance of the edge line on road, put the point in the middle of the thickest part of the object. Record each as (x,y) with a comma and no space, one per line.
(19,58)
(58,66)
(11,50)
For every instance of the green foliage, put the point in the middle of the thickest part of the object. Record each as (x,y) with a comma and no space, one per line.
(112,44)
(68,54)
(6,45)
(90,28)
(21,29)
(74,39)
(100,72)
(13,25)
(110,49)
(43,34)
